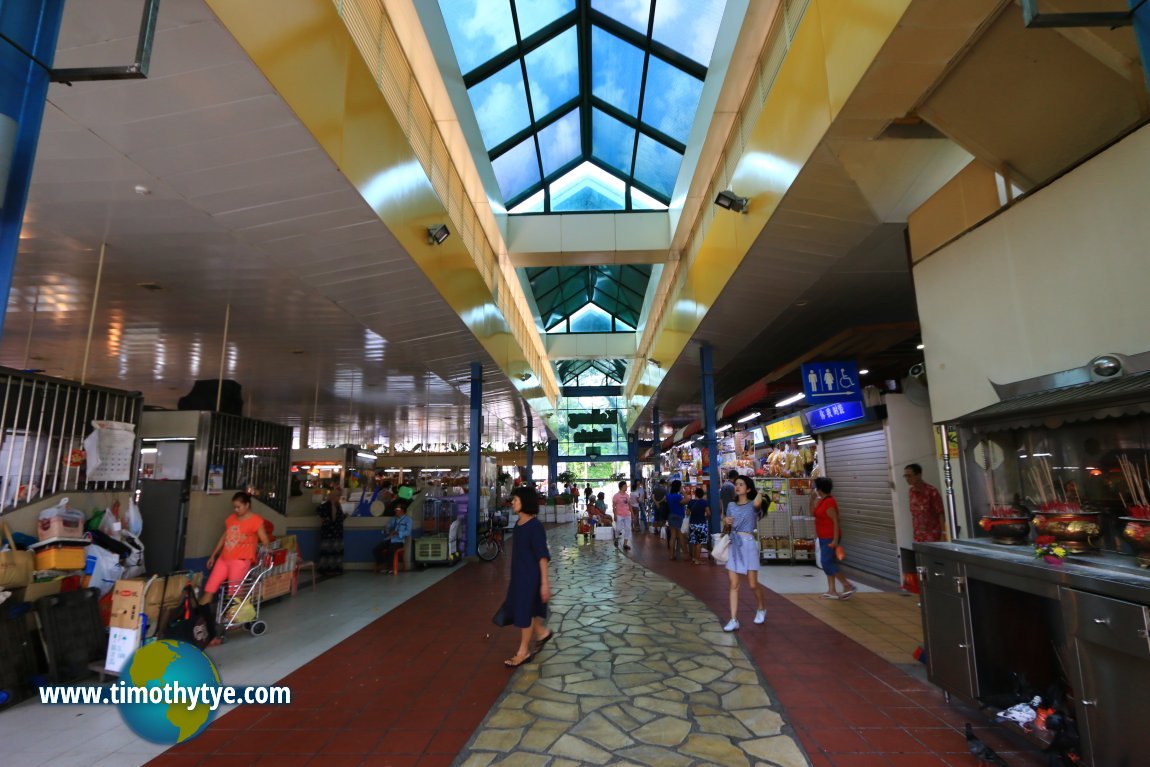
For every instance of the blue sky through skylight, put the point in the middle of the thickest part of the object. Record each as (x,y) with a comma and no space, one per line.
(636,118)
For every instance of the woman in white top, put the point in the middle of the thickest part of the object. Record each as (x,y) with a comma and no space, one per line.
(742,516)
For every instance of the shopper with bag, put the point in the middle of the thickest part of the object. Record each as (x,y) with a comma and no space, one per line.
(742,515)
(675,515)
(530,588)
(828,531)
(237,549)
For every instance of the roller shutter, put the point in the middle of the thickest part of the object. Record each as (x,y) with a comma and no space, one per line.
(860,468)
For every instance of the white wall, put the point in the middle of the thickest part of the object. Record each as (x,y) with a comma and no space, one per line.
(1047,285)
(909,439)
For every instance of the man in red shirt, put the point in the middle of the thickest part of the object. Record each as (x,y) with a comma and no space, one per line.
(925,506)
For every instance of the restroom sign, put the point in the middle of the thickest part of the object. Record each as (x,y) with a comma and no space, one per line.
(831,382)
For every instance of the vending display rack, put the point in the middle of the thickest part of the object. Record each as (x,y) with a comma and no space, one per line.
(786,531)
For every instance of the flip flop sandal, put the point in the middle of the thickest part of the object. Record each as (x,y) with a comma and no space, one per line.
(539,643)
(510,662)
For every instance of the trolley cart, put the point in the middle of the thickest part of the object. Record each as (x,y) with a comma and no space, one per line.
(240,603)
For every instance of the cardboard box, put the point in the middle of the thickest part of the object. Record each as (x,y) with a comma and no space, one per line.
(122,642)
(127,603)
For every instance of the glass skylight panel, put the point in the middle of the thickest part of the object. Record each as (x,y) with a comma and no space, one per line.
(517,169)
(657,165)
(500,104)
(670,99)
(641,201)
(616,71)
(612,142)
(533,15)
(533,204)
(479,29)
(553,73)
(590,319)
(689,27)
(636,14)
(588,187)
(561,142)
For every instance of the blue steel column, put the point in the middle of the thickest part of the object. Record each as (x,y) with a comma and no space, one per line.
(1142,34)
(530,447)
(475,477)
(706,362)
(633,456)
(657,443)
(552,466)
(34,25)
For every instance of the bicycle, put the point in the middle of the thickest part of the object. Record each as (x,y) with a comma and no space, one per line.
(490,542)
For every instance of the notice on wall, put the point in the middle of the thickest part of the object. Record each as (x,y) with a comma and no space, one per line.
(109,448)
(215,480)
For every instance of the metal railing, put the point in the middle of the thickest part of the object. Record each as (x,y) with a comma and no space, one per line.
(43,424)
(253,455)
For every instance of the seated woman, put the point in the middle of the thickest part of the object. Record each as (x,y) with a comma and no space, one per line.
(397,532)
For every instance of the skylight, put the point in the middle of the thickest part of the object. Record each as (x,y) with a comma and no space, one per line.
(589,299)
(561,85)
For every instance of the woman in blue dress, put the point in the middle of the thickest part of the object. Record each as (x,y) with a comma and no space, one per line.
(530,587)
(742,515)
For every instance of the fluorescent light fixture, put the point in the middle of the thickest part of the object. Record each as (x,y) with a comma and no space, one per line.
(722,428)
(728,200)
(920,347)
(806,441)
(251,455)
(167,439)
(700,438)
(863,372)
(365,456)
(750,417)
(791,400)
(437,234)
(1042,455)
(149,450)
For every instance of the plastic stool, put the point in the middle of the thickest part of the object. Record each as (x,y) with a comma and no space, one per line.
(295,580)
(397,559)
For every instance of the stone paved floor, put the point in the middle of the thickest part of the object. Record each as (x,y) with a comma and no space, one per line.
(639,673)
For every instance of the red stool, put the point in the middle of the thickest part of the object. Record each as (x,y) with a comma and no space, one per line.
(397,559)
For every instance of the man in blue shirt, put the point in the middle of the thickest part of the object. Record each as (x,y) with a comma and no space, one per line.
(397,532)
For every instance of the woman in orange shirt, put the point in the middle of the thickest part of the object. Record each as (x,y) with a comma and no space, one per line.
(237,550)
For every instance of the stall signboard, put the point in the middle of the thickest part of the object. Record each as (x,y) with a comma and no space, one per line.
(785,428)
(758,435)
(835,415)
(831,382)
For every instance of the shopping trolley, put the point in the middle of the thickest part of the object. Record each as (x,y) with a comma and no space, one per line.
(240,603)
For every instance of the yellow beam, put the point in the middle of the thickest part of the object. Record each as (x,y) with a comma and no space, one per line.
(347,79)
(826,57)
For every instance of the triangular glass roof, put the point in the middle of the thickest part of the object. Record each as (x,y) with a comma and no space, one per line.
(593,372)
(560,86)
(589,299)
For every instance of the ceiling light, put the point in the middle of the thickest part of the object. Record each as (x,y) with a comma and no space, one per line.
(863,372)
(437,234)
(722,428)
(806,441)
(366,456)
(142,190)
(791,400)
(149,450)
(700,438)
(920,346)
(728,200)
(251,456)
(750,417)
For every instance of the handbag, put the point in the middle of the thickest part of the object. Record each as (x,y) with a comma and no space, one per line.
(503,616)
(189,621)
(15,566)
(686,526)
(721,552)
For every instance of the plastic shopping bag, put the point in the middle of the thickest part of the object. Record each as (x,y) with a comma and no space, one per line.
(721,551)
(103,568)
(134,521)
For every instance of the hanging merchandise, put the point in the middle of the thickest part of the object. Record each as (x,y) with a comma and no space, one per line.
(110,448)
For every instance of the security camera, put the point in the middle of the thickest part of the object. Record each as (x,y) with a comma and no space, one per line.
(918,370)
(1107,366)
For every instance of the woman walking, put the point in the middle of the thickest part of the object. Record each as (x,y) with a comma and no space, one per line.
(829,533)
(331,534)
(742,517)
(675,514)
(530,588)
(700,529)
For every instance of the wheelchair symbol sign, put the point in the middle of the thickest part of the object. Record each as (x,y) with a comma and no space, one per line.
(831,381)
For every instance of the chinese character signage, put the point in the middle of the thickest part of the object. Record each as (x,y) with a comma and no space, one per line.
(835,414)
(791,426)
(831,382)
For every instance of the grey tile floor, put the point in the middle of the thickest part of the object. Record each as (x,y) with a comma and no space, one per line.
(639,673)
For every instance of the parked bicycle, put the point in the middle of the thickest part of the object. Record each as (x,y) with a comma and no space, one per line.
(490,542)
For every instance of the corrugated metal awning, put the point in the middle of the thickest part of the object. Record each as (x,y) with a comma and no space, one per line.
(1129,395)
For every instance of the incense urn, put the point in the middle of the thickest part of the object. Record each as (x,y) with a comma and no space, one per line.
(1075,530)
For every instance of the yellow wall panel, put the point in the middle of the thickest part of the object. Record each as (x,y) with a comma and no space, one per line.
(853,32)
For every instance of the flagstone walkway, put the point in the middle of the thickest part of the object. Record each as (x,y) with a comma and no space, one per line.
(639,673)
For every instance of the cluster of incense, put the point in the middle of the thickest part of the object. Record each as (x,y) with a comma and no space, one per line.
(1137,485)
(1050,497)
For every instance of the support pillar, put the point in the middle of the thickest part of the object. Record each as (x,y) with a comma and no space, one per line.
(1142,34)
(475,476)
(34,26)
(657,444)
(633,457)
(706,362)
(552,466)
(530,448)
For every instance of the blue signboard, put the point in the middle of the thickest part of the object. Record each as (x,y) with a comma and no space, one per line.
(831,382)
(835,414)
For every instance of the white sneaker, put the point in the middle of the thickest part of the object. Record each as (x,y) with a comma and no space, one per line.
(760,616)
(732,625)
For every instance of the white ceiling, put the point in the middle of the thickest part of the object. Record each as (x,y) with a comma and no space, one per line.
(242,208)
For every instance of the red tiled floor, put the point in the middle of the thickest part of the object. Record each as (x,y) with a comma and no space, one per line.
(892,740)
